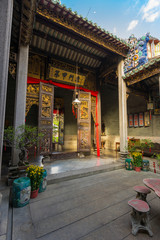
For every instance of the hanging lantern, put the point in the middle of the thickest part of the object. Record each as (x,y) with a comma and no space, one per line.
(76,101)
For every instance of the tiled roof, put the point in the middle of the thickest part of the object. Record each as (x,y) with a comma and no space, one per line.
(102,30)
(151,62)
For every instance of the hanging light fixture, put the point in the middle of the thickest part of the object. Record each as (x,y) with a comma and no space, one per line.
(76,101)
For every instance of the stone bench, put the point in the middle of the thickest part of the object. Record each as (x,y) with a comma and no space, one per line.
(139,216)
(142,192)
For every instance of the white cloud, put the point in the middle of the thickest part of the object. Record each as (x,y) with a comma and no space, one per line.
(151,11)
(132,25)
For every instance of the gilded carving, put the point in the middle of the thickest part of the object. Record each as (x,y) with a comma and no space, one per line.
(84,110)
(65,76)
(46,105)
(45,122)
(30,102)
(33,89)
(46,88)
(84,124)
(93,108)
(84,139)
(80,30)
(84,95)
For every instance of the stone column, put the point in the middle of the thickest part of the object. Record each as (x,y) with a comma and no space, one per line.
(20,95)
(6,11)
(122,109)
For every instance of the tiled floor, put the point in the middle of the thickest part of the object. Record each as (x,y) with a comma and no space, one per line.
(59,166)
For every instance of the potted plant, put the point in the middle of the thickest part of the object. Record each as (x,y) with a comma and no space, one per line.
(22,138)
(137,161)
(129,161)
(146,144)
(35,173)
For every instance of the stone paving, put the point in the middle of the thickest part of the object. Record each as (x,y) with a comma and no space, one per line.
(88,208)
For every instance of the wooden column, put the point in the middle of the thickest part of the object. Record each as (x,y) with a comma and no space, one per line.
(122,108)
(6,11)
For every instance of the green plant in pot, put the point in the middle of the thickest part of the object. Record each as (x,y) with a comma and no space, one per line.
(137,161)
(128,161)
(146,144)
(35,173)
(22,138)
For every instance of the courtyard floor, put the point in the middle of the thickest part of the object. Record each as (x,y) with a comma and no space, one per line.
(88,208)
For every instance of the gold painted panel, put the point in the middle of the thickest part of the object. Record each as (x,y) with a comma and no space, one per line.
(84,110)
(30,102)
(84,139)
(65,76)
(33,89)
(46,88)
(93,108)
(46,105)
(45,122)
(84,95)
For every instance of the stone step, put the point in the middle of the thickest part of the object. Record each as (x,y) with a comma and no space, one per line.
(66,176)
(59,156)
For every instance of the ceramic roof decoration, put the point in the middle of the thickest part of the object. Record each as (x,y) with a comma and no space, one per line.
(148,64)
(138,54)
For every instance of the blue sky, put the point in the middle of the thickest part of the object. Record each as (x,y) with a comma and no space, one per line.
(121,17)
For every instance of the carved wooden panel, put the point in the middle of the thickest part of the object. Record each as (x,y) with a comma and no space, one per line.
(32,96)
(46,98)
(84,123)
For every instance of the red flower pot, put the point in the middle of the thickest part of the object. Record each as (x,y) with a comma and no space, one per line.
(34,193)
(137,169)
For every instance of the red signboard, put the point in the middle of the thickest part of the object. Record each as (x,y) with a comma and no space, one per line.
(141,120)
(130,117)
(135,120)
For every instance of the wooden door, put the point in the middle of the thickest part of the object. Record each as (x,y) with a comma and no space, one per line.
(45,123)
(84,123)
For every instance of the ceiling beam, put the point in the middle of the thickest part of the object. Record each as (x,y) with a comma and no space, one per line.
(75,36)
(108,71)
(137,92)
(66,45)
(145,74)
(48,54)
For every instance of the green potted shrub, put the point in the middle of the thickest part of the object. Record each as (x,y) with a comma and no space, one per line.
(137,161)
(22,138)
(35,173)
(129,161)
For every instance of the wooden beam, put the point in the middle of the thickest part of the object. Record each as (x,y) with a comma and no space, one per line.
(142,75)
(108,71)
(48,54)
(136,92)
(72,34)
(66,45)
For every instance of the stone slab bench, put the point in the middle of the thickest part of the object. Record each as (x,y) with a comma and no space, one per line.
(139,216)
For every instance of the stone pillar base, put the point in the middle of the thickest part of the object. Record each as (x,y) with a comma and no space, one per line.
(123,156)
